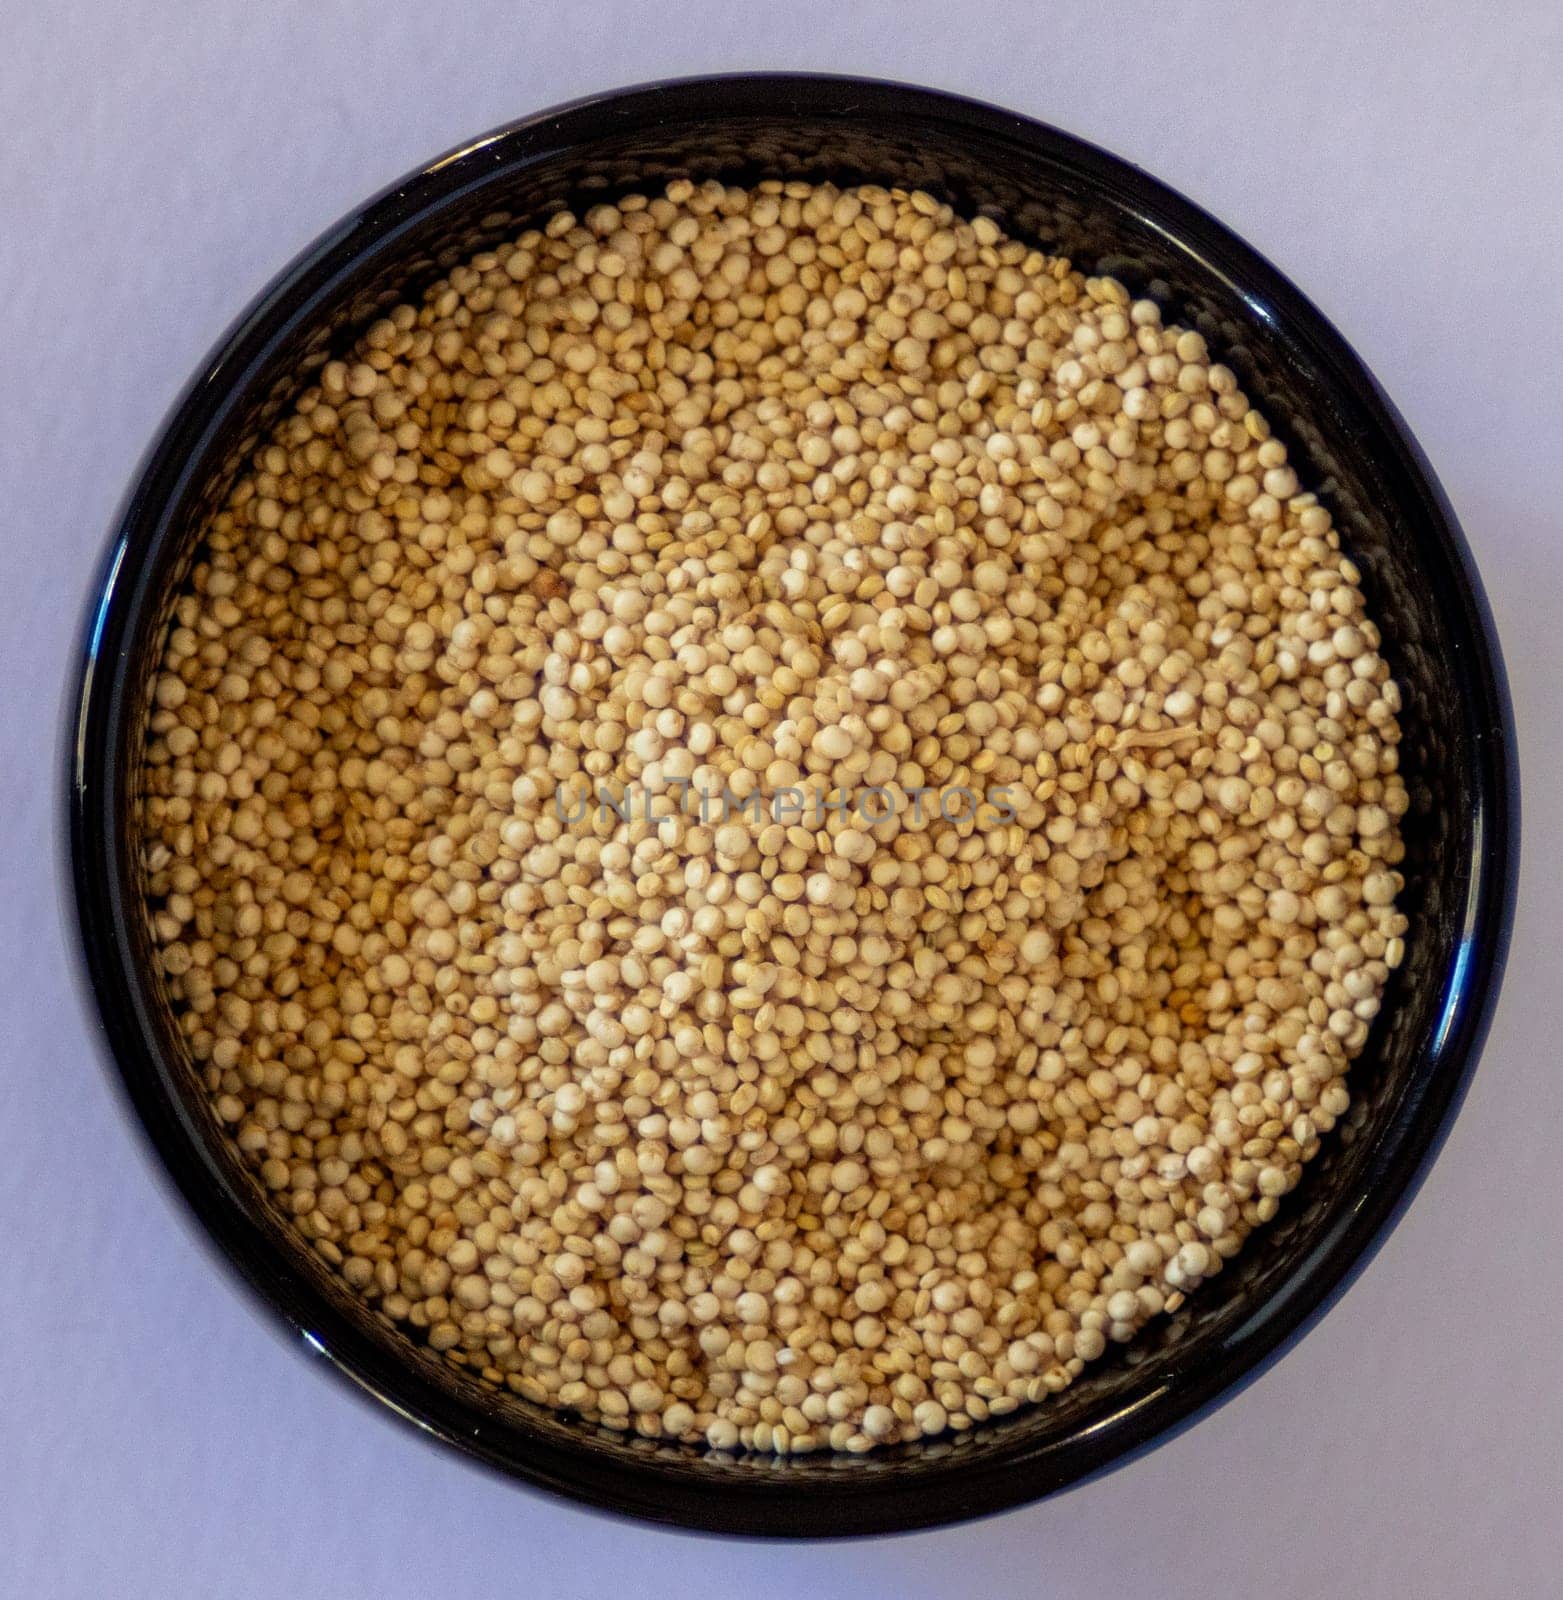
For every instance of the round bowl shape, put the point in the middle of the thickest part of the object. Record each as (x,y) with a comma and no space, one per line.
(1347,442)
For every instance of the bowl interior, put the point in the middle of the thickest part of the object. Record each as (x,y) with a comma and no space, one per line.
(1106,217)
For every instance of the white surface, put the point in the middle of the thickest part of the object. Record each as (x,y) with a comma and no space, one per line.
(160,163)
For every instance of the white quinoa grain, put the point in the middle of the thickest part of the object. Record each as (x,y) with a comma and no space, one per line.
(787,1129)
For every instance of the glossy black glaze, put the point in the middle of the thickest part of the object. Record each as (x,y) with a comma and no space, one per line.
(1348,443)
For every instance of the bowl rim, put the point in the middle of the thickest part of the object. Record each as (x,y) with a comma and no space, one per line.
(764,1504)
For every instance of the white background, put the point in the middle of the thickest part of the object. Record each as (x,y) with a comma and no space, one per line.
(1404,164)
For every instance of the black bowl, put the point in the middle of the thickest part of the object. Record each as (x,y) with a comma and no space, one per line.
(1347,443)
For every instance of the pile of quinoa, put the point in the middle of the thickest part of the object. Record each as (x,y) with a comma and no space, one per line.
(782,1131)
